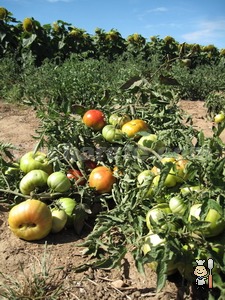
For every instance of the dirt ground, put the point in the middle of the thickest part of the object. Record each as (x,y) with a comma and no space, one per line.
(20,260)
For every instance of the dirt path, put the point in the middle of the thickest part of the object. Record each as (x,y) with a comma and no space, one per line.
(17,126)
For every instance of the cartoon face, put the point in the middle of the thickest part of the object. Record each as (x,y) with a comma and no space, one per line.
(200,271)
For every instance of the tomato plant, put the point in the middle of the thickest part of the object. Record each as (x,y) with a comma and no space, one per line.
(59,182)
(102,179)
(30,220)
(35,179)
(94,119)
(35,161)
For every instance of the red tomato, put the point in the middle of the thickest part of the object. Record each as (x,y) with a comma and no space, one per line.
(90,165)
(94,119)
(102,179)
(30,220)
(77,176)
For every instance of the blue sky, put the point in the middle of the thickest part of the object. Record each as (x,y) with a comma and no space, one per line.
(191,21)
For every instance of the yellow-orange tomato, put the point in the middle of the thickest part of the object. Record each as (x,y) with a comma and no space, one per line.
(30,220)
(132,127)
(102,179)
(180,169)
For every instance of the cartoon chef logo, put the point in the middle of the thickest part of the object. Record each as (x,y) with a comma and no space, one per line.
(202,273)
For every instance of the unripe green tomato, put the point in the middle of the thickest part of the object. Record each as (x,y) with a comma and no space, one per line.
(156,214)
(59,182)
(150,141)
(143,178)
(33,180)
(219,118)
(190,189)
(111,133)
(118,120)
(177,205)
(59,219)
(68,205)
(170,180)
(217,223)
(37,161)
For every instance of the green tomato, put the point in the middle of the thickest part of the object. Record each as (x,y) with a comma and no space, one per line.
(156,214)
(59,182)
(59,219)
(170,180)
(219,118)
(111,133)
(68,205)
(150,141)
(37,161)
(216,222)
(145,177)
(189,189)
(35,179)
(153,240)
(118,120)
(177,205)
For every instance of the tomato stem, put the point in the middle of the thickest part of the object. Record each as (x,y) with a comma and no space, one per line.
(14,193)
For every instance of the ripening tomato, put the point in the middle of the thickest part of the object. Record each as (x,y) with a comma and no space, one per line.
(94,119)
(102,179)
(30,220)
(112,134)
(59,182)
(180,169)
(35,179)
(132,127)
(37,161)
(77,176)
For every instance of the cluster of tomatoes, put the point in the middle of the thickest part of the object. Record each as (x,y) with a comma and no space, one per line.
(33,219)
(177,204)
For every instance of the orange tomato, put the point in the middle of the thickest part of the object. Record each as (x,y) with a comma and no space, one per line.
(102,179)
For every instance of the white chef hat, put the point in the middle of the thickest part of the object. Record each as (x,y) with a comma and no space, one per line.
(200,262)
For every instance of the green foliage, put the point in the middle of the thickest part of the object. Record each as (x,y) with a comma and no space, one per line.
(196,84)
(215,102)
